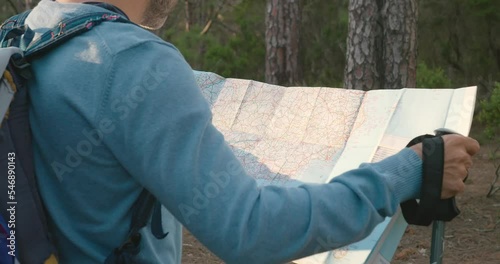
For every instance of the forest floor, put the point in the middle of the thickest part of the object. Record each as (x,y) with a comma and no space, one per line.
(473,237)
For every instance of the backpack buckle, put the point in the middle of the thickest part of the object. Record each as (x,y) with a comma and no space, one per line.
(22,66)
(20,63)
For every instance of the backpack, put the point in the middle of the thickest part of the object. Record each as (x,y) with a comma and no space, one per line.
(20,203)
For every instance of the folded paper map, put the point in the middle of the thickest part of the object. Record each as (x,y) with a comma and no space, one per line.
(288,135)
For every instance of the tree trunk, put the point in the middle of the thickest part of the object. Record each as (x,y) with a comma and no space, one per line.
(381,44)
(282,42)
(400,43)
(363,70)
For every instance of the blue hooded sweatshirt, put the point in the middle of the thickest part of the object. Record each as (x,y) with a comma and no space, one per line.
(117,109)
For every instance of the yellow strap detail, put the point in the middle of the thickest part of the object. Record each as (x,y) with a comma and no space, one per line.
(51,260)
(10,80)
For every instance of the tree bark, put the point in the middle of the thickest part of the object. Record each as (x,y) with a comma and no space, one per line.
(282,42)
(400,43)
(381,44)
(363,70)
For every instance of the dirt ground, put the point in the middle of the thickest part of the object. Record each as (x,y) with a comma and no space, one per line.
(471,238)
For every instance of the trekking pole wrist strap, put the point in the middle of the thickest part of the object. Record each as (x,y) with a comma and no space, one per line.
(430,207)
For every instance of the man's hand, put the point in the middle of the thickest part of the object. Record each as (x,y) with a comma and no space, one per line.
(458,152)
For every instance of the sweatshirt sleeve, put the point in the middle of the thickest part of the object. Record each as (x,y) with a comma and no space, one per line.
(163,135)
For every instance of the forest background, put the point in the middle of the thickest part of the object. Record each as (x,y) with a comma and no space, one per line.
(458,41)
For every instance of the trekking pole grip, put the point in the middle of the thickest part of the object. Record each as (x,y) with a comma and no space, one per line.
(431,207)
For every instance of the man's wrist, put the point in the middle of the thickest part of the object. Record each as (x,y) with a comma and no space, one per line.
(418,149)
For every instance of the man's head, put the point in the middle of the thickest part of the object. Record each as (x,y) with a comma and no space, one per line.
(150,14)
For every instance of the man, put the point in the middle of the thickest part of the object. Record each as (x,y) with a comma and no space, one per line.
(117,109)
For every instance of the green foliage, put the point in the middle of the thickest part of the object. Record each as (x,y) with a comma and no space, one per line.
(460,36)
(323,42)
(490,114)
(485,8)
(233,47)
(431,78)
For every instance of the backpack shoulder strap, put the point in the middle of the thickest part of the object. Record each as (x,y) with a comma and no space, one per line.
(11,28)
(16,33)
(145,206)
(69,28)
(15,20)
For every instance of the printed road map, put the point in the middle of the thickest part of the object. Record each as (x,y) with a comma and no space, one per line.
(287,135)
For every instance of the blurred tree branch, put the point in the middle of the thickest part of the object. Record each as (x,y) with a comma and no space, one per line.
(13,6)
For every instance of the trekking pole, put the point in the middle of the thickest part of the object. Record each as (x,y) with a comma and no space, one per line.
(437,242)
(431,209)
